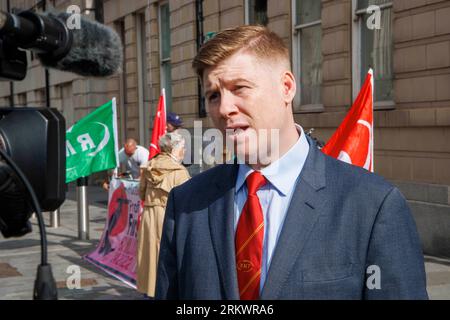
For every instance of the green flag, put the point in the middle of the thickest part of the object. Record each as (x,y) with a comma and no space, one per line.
(91,143)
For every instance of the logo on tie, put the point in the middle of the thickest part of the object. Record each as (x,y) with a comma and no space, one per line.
(245,266)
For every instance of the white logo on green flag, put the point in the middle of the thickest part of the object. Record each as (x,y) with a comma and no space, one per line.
(91,143)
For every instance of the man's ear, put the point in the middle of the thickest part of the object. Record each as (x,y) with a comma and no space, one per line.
(289,87)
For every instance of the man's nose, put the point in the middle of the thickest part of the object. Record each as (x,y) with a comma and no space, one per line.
(228,105)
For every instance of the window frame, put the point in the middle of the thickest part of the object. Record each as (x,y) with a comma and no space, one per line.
(247,12)
(357,54)
(296,62)
(119,27)
(144,85)
(163,61)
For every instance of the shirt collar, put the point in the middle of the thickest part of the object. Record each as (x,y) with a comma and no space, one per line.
(280,173)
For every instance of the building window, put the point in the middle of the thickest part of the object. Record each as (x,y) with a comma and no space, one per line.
(94,8)
(307,55)
(143,83)
(256,12)
(164,32)
(374,49)
(99,15)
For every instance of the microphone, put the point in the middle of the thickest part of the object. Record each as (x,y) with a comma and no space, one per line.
(96,50)
(90,50)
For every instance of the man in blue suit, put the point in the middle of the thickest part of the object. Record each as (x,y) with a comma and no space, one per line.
(295,224)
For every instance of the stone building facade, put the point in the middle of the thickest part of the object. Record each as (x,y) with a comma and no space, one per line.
(332,43)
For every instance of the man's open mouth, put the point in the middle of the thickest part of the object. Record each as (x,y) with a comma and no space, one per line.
(235,131)
(240,130)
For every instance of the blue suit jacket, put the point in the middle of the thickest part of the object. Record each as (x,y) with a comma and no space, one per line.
(341,221)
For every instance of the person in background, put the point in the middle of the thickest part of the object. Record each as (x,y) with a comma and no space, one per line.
(134,158)
(163,172)
(174,122)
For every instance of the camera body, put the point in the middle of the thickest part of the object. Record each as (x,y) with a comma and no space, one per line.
(34,138)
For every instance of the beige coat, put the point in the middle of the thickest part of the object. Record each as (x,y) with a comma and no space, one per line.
(160,176)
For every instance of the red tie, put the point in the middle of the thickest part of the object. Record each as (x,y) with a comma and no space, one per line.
(249,240)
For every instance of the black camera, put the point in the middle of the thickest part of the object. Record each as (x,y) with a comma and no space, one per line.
(34,138)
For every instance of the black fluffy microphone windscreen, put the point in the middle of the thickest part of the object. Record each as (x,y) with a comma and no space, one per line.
(96,50)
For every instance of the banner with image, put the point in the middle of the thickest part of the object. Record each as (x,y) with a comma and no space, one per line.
(116,251)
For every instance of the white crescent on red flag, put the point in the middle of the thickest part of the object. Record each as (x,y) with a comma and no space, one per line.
(352,142)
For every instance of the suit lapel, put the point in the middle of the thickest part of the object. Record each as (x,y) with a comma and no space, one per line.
(301,217)
(221,223)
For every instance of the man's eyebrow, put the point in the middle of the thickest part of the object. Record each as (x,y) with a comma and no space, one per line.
(230,81)
(239,80)
(226,81)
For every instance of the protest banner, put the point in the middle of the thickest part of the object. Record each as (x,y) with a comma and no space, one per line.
(116,252)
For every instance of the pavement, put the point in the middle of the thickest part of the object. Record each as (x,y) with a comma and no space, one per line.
(20,257)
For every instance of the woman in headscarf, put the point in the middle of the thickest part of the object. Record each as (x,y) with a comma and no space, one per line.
(163,172)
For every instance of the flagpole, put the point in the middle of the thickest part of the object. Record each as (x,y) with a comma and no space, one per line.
(116,135)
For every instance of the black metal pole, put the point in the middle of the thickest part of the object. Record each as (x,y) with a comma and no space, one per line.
(47,88)
(200,37)
(47,73)
(11,83)
(54,216)
(11,95)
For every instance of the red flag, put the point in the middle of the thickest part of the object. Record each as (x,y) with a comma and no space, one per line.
(353,140)
(159,126)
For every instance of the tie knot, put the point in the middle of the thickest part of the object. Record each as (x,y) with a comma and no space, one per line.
(254,182)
